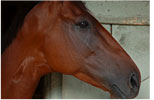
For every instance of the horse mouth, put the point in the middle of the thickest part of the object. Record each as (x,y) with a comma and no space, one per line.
(118,93)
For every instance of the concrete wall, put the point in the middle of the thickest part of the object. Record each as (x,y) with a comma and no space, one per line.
(128,22)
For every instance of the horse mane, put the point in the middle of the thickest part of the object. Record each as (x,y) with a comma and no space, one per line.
(12,21)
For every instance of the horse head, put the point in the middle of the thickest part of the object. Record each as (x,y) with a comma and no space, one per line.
(75,43)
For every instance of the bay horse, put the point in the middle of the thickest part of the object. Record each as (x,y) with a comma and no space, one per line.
(62,36)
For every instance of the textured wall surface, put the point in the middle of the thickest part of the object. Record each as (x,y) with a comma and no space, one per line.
(128,22)
(120,12)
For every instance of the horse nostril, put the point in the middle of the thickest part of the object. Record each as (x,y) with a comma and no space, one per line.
(134,83)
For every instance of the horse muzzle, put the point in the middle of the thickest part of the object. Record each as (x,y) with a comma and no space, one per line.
(127,91)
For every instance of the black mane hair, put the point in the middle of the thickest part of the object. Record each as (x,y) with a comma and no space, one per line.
(13,14)
(12,17)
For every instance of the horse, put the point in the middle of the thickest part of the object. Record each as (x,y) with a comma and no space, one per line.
(63,36)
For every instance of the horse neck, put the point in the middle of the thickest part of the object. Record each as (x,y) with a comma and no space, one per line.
(23,64)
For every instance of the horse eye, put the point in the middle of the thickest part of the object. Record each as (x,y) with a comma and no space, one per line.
(83,24)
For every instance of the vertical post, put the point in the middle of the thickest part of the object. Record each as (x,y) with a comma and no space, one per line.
(53,86)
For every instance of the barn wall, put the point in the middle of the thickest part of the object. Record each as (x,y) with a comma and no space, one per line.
(129,23)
